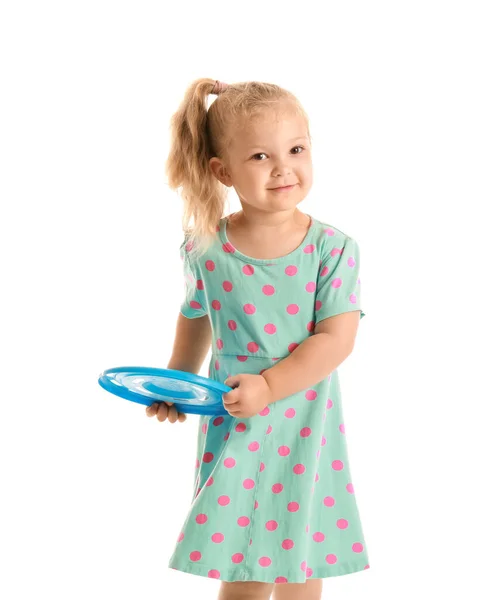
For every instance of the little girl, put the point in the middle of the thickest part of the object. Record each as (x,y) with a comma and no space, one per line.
(276,294)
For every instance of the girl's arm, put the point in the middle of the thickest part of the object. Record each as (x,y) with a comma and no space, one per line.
(191,344)
(316,357)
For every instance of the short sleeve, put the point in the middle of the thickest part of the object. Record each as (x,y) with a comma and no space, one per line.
(193,305)
(338,282)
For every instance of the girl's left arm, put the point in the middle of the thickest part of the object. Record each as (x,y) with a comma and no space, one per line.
(316,357)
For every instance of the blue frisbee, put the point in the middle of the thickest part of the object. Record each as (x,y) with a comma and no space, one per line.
(190,393)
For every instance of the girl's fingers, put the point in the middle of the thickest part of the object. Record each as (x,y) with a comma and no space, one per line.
(151,410)
(164,411)
(172,414)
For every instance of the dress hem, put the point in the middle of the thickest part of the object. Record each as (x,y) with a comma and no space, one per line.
(244,574)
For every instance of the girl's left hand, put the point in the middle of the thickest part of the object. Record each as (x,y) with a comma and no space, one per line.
(250,396)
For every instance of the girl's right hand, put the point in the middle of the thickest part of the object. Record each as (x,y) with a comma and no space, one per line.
(164,411)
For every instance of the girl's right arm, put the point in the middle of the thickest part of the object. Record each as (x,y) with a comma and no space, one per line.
(191,345)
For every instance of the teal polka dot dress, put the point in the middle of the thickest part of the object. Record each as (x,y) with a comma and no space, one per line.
(273,499)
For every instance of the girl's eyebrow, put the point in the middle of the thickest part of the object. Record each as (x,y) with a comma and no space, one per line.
(301,137)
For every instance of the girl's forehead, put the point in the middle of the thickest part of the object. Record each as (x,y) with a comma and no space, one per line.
(284,127)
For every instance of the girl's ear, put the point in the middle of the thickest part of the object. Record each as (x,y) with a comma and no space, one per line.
(219,170)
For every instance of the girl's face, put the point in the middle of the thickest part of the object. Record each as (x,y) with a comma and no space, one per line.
(273,150)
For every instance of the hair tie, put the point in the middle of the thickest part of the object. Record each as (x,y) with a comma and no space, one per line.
(219,87)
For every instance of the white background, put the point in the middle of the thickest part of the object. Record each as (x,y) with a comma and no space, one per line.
(401,98)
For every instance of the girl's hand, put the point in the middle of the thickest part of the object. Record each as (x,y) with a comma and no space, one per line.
(250,396)
(164,411)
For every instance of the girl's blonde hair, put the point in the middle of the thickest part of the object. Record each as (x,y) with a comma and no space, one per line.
(199,133)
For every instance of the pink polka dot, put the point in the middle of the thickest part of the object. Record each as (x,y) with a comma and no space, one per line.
(329,231)
(299,469)
(329,501)
(293,309)
(226,437)
(253,447)
(337,465)
(248,484)
(264,412)
(214,574)
(228,286)
(269,429)
(336,251)
(201,519)
(353,299)
(232,325)
(210,265)
(271,525)
(287,544)
(357,547)
(248,270)
(309,572)
(291,270)
(216,305)
(189,246)
(242,358)
(252,347)
(318,305)
(293,507)
(194,556)
(303,565)
(237,558)
(264,561)
(318,537)
(180,538)
(217,538)
(220,344)
(256,506)
(268,290)
(305,432)
(249,309)
(342,523)
(270,328)
(229,463)
(277,488)
(324,271)
(311,326)
(228,247)
(208,457)
(243,521)
(217,365)
(349,488)
(336,282)
(290,413)
(309,249)
(329,403)
(224,500)
(323,441)
(292,347)
(195,304)
(210,481)
(351,262)
(283,450)
(310,287)
(311,395)
(240,427)
(280,580)
(204,428)
(199,284)
(341,428)
(331,559)
(262,467)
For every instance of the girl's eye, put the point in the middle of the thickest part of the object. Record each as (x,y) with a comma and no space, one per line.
(263,153)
